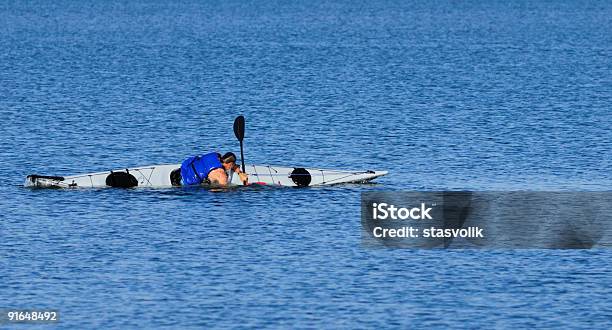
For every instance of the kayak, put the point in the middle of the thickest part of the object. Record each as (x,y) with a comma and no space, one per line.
(160,176)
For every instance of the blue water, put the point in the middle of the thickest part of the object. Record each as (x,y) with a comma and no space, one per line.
(443,94)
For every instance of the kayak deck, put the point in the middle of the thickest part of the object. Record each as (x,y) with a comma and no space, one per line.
(169,176)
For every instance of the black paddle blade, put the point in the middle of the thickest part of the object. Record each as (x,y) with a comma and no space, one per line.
(239,127)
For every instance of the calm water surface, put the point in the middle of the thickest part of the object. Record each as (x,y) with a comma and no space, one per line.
(443,94)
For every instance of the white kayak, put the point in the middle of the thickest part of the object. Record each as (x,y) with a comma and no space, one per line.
(159,176)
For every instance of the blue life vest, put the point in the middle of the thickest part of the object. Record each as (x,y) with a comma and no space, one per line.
(194,170)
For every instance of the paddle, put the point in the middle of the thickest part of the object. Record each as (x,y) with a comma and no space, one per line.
(239,132)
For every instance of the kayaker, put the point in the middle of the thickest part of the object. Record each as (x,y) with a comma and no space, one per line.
(211,168)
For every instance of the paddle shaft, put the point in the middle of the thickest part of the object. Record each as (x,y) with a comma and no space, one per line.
(242,157)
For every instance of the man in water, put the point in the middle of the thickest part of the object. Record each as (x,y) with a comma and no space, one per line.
(211,168)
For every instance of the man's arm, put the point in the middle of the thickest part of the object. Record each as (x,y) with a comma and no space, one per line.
(243,176)
(218,177)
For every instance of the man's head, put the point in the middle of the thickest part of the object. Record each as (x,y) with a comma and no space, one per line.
(228,160)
